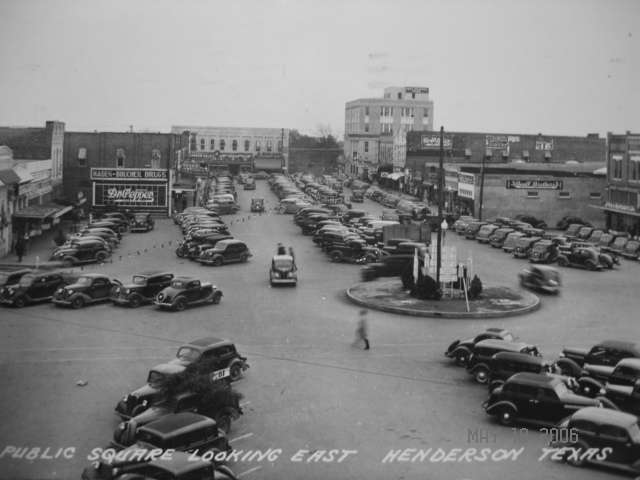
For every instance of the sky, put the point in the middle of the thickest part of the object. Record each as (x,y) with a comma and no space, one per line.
(559,67)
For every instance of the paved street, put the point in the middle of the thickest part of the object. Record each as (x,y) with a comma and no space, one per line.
(307,388)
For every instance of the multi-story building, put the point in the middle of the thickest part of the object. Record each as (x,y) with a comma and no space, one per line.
(372,125)
(122,170)
(622,205)
(238,149)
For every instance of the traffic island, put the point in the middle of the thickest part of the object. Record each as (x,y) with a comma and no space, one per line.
(388,295)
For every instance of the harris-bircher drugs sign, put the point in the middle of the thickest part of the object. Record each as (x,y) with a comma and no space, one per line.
(130,174)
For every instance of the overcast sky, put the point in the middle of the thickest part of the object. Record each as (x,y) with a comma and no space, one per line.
(564,67)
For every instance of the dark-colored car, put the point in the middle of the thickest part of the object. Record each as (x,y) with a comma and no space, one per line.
(479,364)
(84,251)
(536,398)
(257,205)
(354,250)
(540,278)
(31,288)
(187,291)
(509,243)
(389,266)
(461,350)
(565,222)
(533,221)
(472,229)
(142,290)
(211,350)
(8,278)
(193,248)
(626,373)
(544,251)
(626,397)
(117,218)
(631,250)
(485,232)
(85,290)
(608,352)
(141,222)
(283,271)
(226,251)
(584,257)
(524,246)
(505,364)
(614,436)
(497,238)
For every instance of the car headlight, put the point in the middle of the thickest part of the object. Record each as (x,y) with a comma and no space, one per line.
(122,426)
(160,296)
(126,291)
(144,403)
(70,291)
(125,398)
(11,291)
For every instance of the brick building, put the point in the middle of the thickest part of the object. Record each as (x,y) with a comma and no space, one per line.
(122,170)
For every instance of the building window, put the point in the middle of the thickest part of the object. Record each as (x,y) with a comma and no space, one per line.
(366,147)
(120,157)
(399,96)
(532,194)
(202,144)
(222,144)
(617,166)
(366,110)
(82,157)
(366,128)
(595,196)
(247,145)
(564,195)
(269,145)
(213,144)
(234,145)
(156,156)
(192,142)
(634,167)
(258,147)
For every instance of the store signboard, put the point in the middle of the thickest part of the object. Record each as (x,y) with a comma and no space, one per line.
(130,194)
(545,145)
(534,184)
(130,174)
(432,142)
(466,185)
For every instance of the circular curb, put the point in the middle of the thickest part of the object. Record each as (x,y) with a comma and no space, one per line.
(439,314)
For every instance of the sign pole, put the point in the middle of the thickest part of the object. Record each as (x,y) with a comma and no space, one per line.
(481,187)
(440,199)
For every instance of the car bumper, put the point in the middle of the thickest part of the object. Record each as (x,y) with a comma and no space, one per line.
(163,305)
(284,280)
(120,300)
(6,301)
(65,301)
(204,261)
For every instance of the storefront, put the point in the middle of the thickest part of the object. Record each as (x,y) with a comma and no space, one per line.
(466,193)
(136,189)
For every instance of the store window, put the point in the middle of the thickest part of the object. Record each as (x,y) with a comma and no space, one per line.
(564,195)
(234,145)
(532,194)
(247,145)
(120,157)
(212,144)
(269,145)
(222,144)
(82,157)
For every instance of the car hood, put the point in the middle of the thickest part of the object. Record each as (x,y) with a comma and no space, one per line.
(599,370)
(576,351)
(170,291)
(625,390)
(151,414)
(573,399)
(145,391)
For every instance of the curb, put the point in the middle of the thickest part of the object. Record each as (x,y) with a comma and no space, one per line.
(39,266)
(439,314)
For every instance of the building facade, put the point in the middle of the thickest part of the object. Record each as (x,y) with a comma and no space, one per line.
(372,126)
(119,171)
(238,149)
(622,206)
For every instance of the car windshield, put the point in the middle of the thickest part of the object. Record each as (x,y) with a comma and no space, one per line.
(155,378)
(83,281)
(541,247)
(620,241)
(189,354)
(26,280)
(179,284)
(139,280)
(282,264)
(508,337)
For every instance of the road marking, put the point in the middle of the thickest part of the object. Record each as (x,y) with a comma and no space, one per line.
(246,435)
(248,471)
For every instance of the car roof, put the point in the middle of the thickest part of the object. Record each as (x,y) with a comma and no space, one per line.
(283,257)
(179,463)
(605,416)
(621,345)
(502,344)
(185,279)
(535,379)
(174,424)
(229,241)
(207,342)
(168,368)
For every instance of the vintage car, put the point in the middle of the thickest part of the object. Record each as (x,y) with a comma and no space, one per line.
(119,219)
(582,234)
(113,226)
(144,462)
(283,270)
(485,232)
(613,242)
(541,278)
(103,233)
(499,235)
(626,397)
(357,196)
(631,250)
(461,350)
(584,257)
(567,221)
(389,266)
(544,251)
(479,364)
(142,290)
(84,251)
(524,245)
(614,436)
(193,248)
(472,229)
(86,289)
(533,221)
(354,250)
(141,222)
(224,207)
(573,229)
(225,251)
(185,292)
(250,184)
(210,354)
(151,393)
(608,352)
(509,243)
(257,205)
(31,288)
(12,277)
(461,224)
(537,398)
(595,236)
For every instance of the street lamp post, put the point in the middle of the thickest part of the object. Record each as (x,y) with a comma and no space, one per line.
(481,187)
(440,200)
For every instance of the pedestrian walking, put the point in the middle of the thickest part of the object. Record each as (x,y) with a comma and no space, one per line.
(21,247)
(361,331)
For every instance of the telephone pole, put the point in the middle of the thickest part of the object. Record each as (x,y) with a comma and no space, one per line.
(440,200)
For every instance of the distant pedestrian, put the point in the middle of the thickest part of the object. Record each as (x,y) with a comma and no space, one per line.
(21,247)
(361,331)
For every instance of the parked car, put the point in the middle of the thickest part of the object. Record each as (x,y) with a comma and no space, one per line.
(142,290)
(537,398)
(541,278)
(472,229)
(389,266)
(141,222)
(584,257)
(84,251)
(509,244)
(283,271)
(113,226)
(211,353)
(610,240)
(626,397)
(12,277)
(614,436)
(524,245)
(584,233)
(187,291)
(595,236)
(608,352)
(31,288)
(533,221)
(461,350)
(565,222)
(497,238)
(618,245)
(485,232)
(226,251)
(87,289)
(119,219)
(631,250)
(572,230)
(257,205)
(544,251)
(479,363)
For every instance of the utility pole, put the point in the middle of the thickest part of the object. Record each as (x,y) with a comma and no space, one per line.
(481,187)
(440,200)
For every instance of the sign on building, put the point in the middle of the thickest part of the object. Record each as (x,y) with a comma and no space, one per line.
(545,145)
(496,142)
(131,174)
(534,184)
(432,142)
(466,185)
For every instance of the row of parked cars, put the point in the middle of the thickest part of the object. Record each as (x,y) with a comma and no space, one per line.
(220,195)
(579,246)
(590,396)
(96,242)
(190,422)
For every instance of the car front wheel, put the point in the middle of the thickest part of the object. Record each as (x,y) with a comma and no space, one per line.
(180,305)
(481,375)
(235,371)
(19,302)
(506,416)
(216,298)
(77,303)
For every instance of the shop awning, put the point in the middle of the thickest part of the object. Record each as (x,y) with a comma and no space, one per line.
(616,210)
(40,212)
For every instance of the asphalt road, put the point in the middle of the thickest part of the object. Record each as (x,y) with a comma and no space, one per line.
(308,391)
